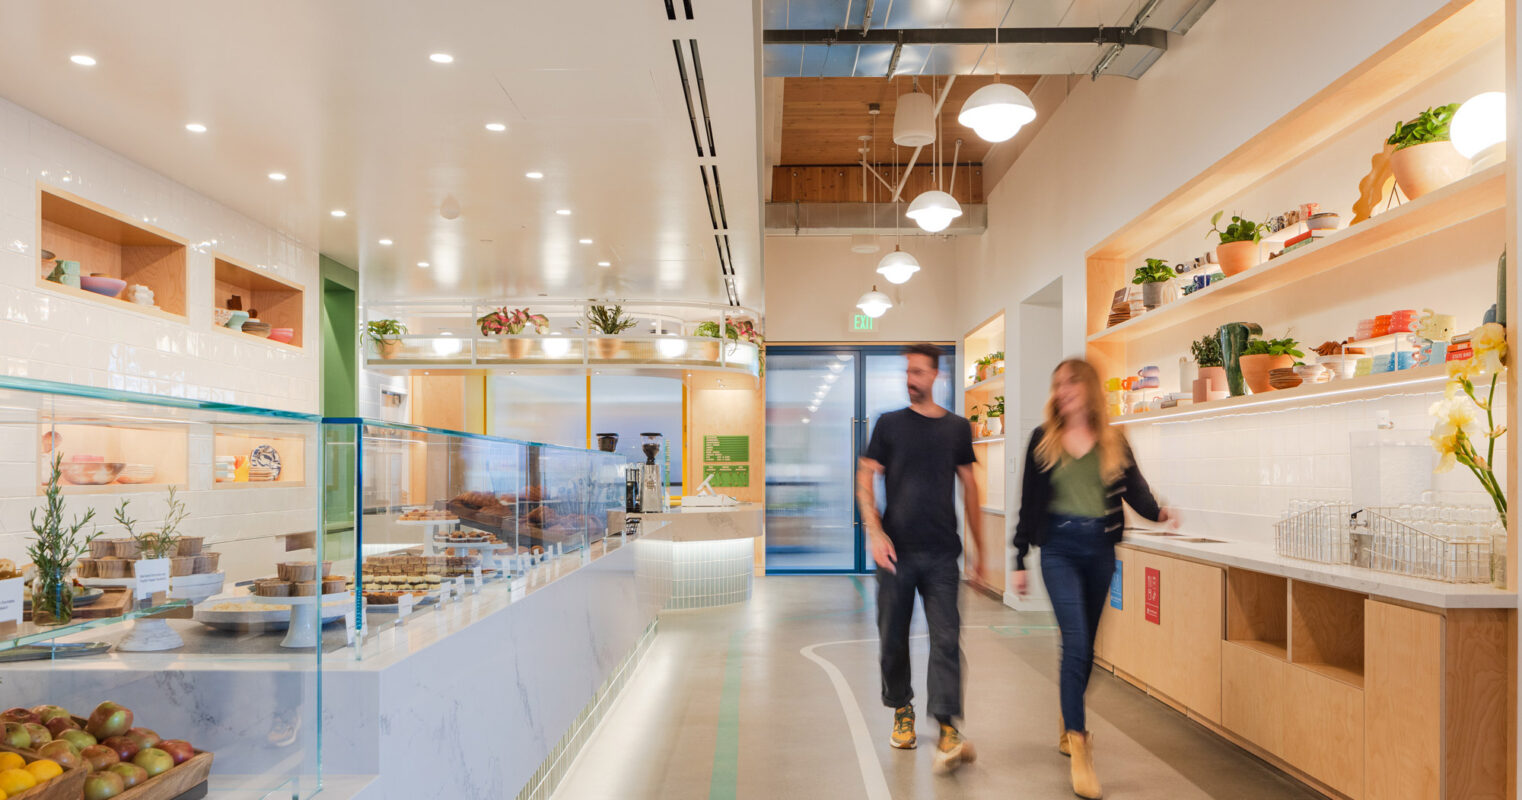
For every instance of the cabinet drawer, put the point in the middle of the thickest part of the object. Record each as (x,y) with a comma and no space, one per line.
(1323,729)
(1253,695)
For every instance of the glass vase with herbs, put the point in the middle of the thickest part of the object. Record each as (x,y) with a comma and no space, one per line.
(57,545)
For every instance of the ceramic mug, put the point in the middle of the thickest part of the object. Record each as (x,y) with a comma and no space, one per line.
(1151,378)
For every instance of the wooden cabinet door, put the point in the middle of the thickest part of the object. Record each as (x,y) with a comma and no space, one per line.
(1403,701)
(1187,663)
(1324,729)
(1253,695)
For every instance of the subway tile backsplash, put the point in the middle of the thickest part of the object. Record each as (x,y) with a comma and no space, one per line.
(1232,476)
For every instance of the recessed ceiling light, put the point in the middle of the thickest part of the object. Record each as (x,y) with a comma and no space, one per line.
(338,212)
(441,58)
(277,176)
(82,60)
(385,242)
(423,264)
(496,127)
(564,212)
(585,241)
(533,176)
(605,263)
(195,127)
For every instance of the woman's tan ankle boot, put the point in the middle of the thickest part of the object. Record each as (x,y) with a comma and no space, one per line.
(1062,738)
(1085,782)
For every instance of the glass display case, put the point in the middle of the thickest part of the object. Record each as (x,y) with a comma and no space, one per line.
(127,560)
(429,507)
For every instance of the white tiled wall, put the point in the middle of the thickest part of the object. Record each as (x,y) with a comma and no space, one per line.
(1232,476)
(48,336)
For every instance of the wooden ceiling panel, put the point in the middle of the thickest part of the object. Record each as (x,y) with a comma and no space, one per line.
(822,118)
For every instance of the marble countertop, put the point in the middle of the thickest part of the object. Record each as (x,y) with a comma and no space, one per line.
(744,521)
(1260,557)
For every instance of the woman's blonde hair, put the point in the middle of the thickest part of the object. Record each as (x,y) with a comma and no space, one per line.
(1113,453)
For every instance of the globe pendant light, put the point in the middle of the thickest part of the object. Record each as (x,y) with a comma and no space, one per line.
(1479,130)
(914,120)
(934,210)
(997,112)
(874,303)
(898,267)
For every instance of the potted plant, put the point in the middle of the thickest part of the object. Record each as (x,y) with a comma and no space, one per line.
(608,321)
(975,416)
(386,333)
(1424,159)
(56,548)
(996,364)
(1238,250)
(1207,356)
(984,365)
(1152,278)
(503,322)
(164,542)
(996,416)
(1262,355)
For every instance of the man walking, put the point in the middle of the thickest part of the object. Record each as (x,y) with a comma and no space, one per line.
(920,451)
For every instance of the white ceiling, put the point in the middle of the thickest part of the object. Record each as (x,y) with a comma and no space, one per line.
(341,96)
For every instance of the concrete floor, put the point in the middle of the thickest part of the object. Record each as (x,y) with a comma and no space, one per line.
(728,705)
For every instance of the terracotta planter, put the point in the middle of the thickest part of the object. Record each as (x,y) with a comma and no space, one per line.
(516,347)
(1427,167)
(1255,370)
(606,346)
(388,348)
(1215,378)
(1237,257)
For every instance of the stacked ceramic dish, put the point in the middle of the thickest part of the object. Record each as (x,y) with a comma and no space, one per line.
(225,469)
(260,474)
(256,328)
(265,459)
(1284,378)
(88,470)
(282,335)
(101,283)
(136,473)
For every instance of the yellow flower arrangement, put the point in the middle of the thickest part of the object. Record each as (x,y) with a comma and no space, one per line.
(1455,433)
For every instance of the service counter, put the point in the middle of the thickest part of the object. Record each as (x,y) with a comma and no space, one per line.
(1360,683)
(704,557)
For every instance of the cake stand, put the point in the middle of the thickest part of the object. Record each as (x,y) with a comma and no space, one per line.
(490,551)
(304,630)
(432,524)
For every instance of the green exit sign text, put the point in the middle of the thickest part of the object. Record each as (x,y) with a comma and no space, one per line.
(861,322)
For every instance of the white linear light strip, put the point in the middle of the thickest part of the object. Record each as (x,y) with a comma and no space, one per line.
(1240,410)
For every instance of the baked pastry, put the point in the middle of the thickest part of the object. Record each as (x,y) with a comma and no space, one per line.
(304,588)
(272,588)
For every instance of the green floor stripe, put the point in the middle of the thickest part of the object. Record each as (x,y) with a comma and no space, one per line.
(861,589)
(726,747)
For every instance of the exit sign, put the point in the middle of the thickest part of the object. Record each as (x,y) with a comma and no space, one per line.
(861,322)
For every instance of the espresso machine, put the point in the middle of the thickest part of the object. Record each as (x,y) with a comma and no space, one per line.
(652,476)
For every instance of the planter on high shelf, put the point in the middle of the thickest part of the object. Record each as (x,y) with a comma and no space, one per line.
(1255,370)
(1237,257)
(1423,168)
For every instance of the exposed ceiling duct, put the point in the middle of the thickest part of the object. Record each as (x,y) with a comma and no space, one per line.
(842,38)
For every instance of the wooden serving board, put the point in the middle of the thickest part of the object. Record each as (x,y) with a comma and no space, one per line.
(68,786)
(173,783)
(114,603)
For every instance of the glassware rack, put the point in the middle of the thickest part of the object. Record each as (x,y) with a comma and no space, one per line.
(1444,543)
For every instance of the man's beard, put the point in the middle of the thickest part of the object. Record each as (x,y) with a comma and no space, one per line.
(916,395)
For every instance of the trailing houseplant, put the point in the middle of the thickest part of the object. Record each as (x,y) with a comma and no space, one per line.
(1261,356)
(386,334)
(1456,431)
(1152,278)
(1423,158)
(57,546)
(1238,248)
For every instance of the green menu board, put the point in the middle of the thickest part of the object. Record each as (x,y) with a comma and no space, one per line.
(727,476)
(726,449)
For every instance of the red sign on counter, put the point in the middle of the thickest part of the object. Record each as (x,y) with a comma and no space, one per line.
(1154,596)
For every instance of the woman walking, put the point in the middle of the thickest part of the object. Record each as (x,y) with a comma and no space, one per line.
(1078,469)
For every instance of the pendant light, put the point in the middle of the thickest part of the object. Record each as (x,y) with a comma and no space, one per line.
(864,242)
(874,303)
(934,210)
(998,111)
(898,267)
(914,119)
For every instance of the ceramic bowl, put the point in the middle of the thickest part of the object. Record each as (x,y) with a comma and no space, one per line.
(1325,221)
(282,334)
(222,316)
(259,329)
(107,286)
(87,473)
(237,319)
(137,473)
(1311,373)
(1341,367)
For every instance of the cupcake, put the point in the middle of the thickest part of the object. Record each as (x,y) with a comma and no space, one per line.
(103,548)
(297,571)
(190,545)
(334,584)
(304,588)
(180,566)
(207,562)
(327,567)
(113,568)
(124,548)
(269,588)
(86,568)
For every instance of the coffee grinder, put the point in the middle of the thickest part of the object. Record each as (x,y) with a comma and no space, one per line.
(652,483)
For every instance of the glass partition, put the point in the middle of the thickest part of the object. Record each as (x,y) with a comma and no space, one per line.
(132,530)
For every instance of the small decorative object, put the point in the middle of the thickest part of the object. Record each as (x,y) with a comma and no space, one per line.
(284,335)
(1375,186)
(235,303)
(1312,372)
(91,473)
(265,457)
(55,548)
(607,442)
(102,285)
(997,362)
(1188,371)
(1262,356)
(254,327)
(1424,159)
(1324,221)
(1238,250)
(386,334)
(1233,340)
(1152,277)
(1151,378)
(221,316)
(1455,433)
(236,321)
(1207,354)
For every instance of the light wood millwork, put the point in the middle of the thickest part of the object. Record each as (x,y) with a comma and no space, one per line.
(111,243)
(821,118)
(1324,729)
(1478,705)
(280,302)
(1251,681)
(1326,631)
(1403,702)
(843,184)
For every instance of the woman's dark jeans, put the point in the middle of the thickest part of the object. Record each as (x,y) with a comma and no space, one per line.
(1077,563)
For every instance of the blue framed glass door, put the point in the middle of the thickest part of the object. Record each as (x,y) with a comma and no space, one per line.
(821,404)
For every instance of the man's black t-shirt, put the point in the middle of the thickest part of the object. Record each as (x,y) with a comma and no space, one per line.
(920,456)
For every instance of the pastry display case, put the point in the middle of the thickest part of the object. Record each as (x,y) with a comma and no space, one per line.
(429,506)
(131,649)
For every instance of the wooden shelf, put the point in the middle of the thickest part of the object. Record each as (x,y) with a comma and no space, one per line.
(994,384)
(1304,394)
(989,440)
(259,484)
(118,488)
(1458,202)
(111,243)
(280,302)
(1326,631)
(222,330)
(1278,650)
(1349,676)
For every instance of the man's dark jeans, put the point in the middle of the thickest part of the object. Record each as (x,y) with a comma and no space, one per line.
(937,580)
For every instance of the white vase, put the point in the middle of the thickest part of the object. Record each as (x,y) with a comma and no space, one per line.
(995,426)
(1187,372)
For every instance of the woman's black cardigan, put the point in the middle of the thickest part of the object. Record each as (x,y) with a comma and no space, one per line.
(1036,498)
